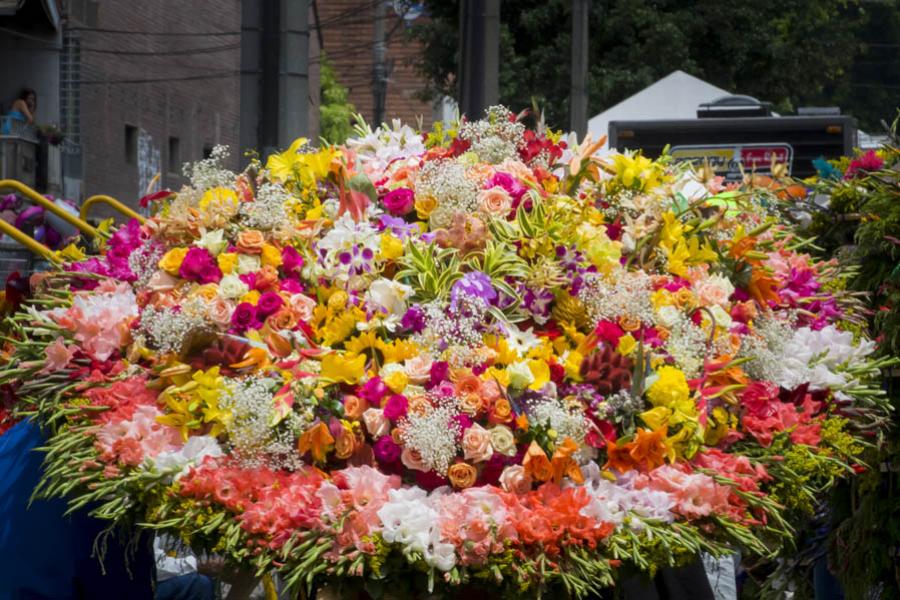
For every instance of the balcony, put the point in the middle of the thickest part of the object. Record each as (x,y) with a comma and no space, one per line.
(19,151)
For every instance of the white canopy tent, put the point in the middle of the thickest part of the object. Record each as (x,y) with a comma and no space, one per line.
(675,96)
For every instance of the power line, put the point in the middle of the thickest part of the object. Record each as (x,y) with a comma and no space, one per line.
(218,75)
(159,33)
(206,50)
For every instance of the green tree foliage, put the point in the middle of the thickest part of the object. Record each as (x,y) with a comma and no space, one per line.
(788,52)
(335,111)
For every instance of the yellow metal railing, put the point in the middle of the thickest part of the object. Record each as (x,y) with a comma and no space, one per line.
(49,206)
(112,202)
(29,242)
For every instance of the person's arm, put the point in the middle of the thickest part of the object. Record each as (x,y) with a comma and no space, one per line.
(22,107)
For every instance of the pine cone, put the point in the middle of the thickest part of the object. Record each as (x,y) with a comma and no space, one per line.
(607,370)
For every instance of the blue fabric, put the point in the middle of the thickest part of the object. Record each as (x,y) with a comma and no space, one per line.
(192,586)
(44,555)
(12,115)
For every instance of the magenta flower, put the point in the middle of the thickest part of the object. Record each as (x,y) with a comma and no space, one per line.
(399,201)
(244,317)
(396,407)
(268,304)
(386,450)
(200,266)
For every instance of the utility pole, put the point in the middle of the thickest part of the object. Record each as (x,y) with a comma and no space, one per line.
(251,75)
(578,92)
(293,71)
(379,72)
(479,63)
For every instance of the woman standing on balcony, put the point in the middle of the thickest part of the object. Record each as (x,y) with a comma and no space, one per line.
(23,109)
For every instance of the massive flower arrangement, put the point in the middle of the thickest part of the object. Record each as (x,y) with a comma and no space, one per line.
(481,355)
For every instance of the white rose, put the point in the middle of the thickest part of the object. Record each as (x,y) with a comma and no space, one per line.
(668,316)
(503,441)
(723,319)
(232,287)
(214,241)
(520,376)
(248,263)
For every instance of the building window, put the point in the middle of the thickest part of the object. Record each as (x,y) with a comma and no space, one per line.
(207,150)
(174,155)
(131,135)
(69,86)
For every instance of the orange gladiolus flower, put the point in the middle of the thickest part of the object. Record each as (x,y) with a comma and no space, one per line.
(316,440)
(536,463)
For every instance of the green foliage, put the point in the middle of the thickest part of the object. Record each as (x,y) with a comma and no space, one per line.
(335,111)
(789,53)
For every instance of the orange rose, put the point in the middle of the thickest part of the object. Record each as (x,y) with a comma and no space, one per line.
(250,241)
(354,407)
(537,465)
(462,475)
(471,404)
(266,278)
(629,323)
(418,404)
(467,384)
(397,436)
(501,411)
(345,444)
(282,319)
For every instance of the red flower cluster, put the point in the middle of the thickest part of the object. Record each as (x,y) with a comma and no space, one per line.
(550,518)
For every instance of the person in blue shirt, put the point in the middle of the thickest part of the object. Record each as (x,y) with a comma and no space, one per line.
(23,109)
(45,555)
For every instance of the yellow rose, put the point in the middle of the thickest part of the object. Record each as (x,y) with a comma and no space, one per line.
(252,297)
(397,381)
(271,255)
(227,261)
(391,247)
(425,205)
(171,262)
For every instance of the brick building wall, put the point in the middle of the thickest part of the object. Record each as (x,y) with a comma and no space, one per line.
(149,103)
(347,28)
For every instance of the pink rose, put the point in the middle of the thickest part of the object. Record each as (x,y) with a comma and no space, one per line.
(418,369)
(412,460)
(476,443)
(494,201)
(220,312)
(302,306)
(376,423)
(400,201)
(515,480)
